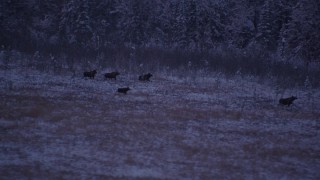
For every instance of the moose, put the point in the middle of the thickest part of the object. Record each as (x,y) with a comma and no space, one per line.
(145,77)
(90,74)
(123,90)
(112,75)
(287,101)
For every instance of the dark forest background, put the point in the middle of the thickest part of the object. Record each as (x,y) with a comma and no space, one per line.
(257,37)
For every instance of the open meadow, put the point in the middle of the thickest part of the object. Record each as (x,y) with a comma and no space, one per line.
(174,127)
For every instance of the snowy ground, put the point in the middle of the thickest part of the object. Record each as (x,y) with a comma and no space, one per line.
(170,128)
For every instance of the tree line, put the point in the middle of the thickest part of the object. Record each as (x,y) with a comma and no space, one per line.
(290,29)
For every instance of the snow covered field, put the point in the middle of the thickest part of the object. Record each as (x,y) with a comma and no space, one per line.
(174,127)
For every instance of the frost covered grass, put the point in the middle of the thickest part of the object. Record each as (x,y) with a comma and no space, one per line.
(174,127)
